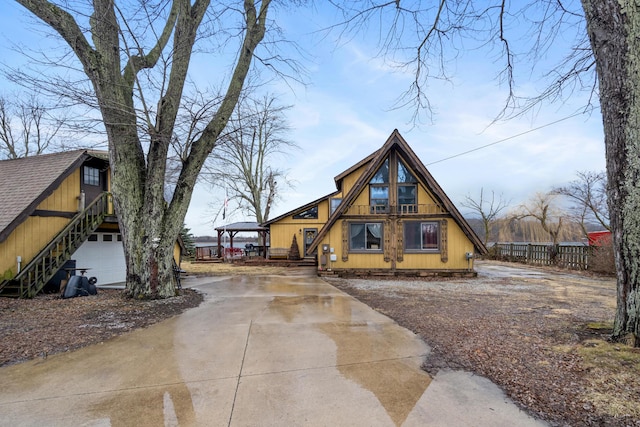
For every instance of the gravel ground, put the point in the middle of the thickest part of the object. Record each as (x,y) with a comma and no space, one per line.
(539,334)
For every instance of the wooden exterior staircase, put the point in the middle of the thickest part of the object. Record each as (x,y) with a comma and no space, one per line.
(35,275)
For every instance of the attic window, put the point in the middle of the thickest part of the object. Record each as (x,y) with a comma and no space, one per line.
(91,176)
(311,213)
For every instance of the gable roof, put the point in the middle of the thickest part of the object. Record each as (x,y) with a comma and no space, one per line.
(375,160)
(299,209)
(26,182)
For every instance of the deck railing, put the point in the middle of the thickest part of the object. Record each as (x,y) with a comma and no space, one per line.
(404,210)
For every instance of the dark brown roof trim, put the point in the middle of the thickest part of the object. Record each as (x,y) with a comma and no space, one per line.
(4,234)
(299,209)
(375,161)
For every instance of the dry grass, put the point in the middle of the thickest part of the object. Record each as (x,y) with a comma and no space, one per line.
(612,366)
(226,269)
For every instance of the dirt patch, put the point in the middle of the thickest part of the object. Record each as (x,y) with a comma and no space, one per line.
(48,324)
(539,334)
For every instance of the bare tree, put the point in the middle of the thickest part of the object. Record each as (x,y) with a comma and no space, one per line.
(136,57)
(424,37)
(589,196)
(488,209)
(27,127)
(544,209)
(245,161)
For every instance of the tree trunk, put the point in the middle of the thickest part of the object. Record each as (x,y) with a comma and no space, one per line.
(614,30)
(149,224)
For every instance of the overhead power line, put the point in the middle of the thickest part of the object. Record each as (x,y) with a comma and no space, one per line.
(506,139)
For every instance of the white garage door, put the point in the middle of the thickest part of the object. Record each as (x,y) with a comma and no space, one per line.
(104,255)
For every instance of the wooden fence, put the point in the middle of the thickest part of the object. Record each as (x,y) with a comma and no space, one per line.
(569,256)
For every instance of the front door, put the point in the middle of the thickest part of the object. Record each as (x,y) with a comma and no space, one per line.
(309,235)
(93,182)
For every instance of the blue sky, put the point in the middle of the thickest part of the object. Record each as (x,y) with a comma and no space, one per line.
(345,113)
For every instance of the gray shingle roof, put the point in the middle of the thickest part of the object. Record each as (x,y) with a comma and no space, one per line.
(25,182)
(242,226)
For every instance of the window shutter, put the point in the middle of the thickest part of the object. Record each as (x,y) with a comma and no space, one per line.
(387,241)
(400,237)
(345,241)
(444,254)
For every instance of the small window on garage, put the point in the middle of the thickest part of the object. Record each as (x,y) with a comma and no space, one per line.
(107,238)
(119,238)
(93,238)
(91,176)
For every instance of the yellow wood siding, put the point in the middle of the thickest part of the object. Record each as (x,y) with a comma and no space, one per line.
(176,253)
(458,245)
(36,232)
(424,197)
(349,180)
(282,232)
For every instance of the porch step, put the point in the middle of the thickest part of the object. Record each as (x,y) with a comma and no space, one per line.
(10,290)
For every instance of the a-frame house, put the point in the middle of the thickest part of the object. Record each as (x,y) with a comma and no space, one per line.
(388,216)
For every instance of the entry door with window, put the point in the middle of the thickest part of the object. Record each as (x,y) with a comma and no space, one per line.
(94,181)
(309,235)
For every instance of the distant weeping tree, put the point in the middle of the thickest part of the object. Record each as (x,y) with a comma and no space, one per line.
(543,208)
(487,208)
(588,193)
(248,158)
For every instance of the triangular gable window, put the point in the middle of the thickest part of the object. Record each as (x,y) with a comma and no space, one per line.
(404,175)
(382,176)
(311,213)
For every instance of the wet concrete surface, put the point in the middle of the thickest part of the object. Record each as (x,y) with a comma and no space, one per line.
(260,351)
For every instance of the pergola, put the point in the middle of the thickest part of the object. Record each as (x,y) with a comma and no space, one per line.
(238,227)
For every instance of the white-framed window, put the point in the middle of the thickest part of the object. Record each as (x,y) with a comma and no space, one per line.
(421,236)
(365,236)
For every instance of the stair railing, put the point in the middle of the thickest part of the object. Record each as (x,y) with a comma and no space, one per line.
(44,266)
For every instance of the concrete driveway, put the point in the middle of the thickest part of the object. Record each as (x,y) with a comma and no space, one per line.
(260,351)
